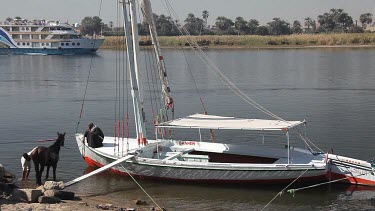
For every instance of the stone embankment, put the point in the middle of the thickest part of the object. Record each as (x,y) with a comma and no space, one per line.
(52,196)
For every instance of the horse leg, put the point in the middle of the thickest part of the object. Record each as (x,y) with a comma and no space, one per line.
(54,172)
(41,173)
(37,173)
(47,174)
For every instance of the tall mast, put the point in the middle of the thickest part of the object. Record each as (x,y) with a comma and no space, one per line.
(149,17)
(134,82)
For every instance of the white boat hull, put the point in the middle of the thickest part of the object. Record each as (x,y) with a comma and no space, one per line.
(160,169)
(349,170)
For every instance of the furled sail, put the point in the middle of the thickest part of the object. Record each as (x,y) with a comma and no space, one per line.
(149,18)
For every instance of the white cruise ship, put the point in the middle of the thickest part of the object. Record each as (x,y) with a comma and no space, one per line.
(46,38)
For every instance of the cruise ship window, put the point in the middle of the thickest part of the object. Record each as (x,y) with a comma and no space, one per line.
(47,44)
(42,44)
(18,43)
(23,43)
(67,44)
(28,44)
(78,44)
(62,44)
(73,44)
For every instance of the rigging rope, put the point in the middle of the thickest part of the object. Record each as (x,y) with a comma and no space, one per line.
(88,77)
(212,136)
(293,191)
(196,48)
(282,191)
(142,188)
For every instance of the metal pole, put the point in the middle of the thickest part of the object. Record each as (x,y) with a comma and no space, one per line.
(287,136)
(200,135)
(157,143)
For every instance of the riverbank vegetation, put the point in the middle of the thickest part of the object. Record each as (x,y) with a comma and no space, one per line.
(333,21)
(253,41)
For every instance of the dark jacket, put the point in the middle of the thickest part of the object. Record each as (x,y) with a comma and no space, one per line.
(94,137)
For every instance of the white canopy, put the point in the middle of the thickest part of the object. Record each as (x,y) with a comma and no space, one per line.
(228,123)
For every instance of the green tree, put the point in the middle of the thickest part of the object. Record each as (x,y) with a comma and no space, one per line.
(336,20)
(252,26)
(278,27)
(297,28)
(241,25)
(165,26)
(365,19)
(9,19)
(224,24)
(193,24)
(262,30)
(91,25)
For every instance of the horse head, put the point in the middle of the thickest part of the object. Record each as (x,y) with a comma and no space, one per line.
(61,138)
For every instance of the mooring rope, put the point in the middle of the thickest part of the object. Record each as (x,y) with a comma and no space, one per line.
(293,191)
(282,191)
(142,188)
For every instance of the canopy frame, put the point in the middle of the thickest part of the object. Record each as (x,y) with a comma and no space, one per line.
(201,121)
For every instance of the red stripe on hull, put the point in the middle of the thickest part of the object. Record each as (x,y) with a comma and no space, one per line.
(351,180)
(321,178)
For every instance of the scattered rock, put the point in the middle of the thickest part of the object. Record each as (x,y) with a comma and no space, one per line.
(82,203)
(9,175)
(104,207)
(110,206)
(48,200)
(49,185)
(140,202)
(28,195)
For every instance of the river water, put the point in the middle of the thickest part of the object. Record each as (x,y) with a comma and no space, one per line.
(332,88)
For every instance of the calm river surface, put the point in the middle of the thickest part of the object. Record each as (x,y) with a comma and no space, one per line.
(333,89)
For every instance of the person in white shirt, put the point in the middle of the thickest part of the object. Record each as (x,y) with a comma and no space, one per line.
(26,164)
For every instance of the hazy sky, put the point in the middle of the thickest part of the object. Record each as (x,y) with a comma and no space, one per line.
(262,10)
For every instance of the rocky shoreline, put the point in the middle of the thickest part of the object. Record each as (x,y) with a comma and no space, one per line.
(52,196)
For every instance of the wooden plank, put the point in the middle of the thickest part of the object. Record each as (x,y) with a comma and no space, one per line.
(97,171)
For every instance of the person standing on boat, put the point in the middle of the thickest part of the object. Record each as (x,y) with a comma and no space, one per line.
(26,164)
(94,136)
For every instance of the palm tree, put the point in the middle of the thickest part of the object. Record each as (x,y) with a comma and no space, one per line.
(111,25)
(308,22)
(205,15)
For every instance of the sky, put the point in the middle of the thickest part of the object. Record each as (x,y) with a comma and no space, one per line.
(263,10)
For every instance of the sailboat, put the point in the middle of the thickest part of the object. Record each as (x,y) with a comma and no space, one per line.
(165,158)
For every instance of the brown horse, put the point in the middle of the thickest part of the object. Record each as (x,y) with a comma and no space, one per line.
(43,156)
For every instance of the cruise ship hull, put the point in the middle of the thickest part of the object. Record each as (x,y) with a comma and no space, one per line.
(36,51)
